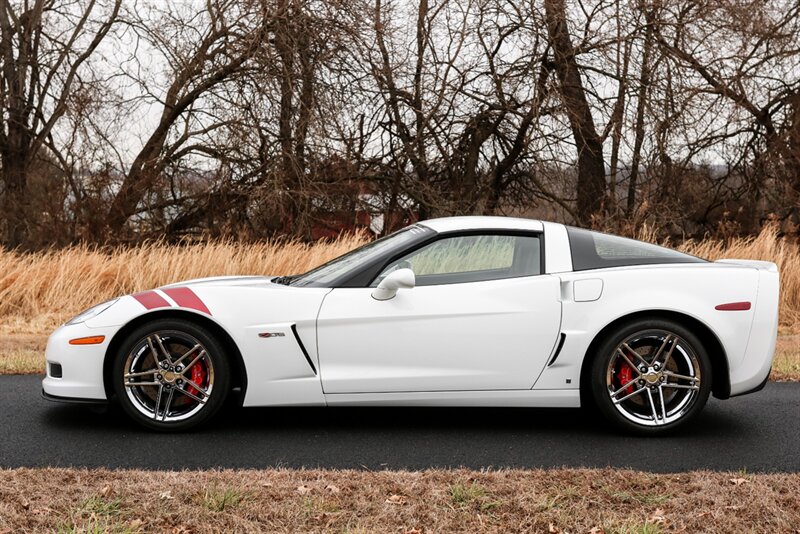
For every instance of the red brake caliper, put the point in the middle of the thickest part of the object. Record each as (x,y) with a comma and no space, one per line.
(625,376)
(198,377)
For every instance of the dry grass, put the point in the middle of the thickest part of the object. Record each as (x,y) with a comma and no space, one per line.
(562,500)
(39,291)
(21,354)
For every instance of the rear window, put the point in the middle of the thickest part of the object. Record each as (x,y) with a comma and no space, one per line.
(595,250)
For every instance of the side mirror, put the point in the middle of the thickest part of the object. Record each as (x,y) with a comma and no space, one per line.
(401,278)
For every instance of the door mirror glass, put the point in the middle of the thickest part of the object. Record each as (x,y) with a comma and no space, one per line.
(397,279)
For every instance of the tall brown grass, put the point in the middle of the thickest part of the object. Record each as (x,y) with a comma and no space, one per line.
(40,290)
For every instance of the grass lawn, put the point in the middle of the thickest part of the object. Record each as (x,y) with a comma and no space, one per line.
(551,501)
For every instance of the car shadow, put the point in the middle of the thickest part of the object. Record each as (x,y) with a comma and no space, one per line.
(234,419)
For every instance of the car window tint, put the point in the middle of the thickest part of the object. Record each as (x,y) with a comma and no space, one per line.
(472,258)
(595,250)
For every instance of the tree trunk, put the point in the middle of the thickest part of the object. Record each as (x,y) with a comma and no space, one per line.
(591,168)
(644,83)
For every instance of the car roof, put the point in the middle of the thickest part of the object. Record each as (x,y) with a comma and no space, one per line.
(452,224)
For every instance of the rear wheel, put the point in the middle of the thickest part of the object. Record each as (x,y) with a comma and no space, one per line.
(171,374)
(651,376)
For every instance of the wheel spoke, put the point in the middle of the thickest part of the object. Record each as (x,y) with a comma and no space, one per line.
(142,373)
(662,347)
(188,352)
(668,357)
(166,406)
(635,369)
(196,386)
(623,388)
(163,349)
(644,362)
(192,396)
(198,358)
(663,404)
(618,401)
(682,377)
(652,406)
(153,351)
(679,386)
(137,384)
(158,402)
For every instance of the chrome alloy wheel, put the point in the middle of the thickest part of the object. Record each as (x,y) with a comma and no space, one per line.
(653,377)
(168,376)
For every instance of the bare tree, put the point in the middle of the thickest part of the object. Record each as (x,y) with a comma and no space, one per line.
(43,46)
(591,167)
(232,34)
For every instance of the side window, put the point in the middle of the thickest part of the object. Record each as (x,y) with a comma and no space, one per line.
(473,258)
(594,250)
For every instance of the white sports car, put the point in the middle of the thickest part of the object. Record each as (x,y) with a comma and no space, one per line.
(462,311)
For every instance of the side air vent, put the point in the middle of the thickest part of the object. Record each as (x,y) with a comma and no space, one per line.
(558,349)
(303,348)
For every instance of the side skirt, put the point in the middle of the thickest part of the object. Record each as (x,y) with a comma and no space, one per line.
(549,398)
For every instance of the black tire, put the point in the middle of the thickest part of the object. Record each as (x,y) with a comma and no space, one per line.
(175,409)
(655,401)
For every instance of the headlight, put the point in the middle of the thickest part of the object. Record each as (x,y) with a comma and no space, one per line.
(94,311)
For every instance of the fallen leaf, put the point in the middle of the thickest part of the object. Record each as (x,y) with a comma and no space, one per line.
(738,481)
(412,531)
(657,517)
(24,503)
(596,530)
(303,490)
(332,488)
(106,491)
(396,499)
(733,507)
(266,484)
(552,529)
(135,524)
(165,495)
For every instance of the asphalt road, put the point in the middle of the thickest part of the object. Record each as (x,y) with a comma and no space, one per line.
(759,432)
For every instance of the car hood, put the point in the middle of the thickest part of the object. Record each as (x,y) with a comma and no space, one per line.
(227,281)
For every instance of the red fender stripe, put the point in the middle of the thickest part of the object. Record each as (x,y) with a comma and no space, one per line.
(733,306)
(151,300)
(186,298)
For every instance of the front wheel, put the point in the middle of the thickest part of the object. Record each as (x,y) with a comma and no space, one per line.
(171,374)
(651,376)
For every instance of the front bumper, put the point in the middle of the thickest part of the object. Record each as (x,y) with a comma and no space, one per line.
(71,400)
(81,365)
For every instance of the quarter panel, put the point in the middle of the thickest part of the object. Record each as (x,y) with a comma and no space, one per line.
(693,290)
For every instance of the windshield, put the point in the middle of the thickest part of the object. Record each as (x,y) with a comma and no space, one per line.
(329,273)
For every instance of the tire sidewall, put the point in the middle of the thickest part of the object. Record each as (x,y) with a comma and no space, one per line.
(605,351)
(213,347)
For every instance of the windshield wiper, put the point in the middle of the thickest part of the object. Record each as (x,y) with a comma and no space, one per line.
(284,280)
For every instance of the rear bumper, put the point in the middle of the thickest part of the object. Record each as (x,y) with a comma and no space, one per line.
(755,389)
(752,371)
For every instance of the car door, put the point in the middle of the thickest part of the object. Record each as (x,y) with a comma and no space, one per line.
(481,317)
